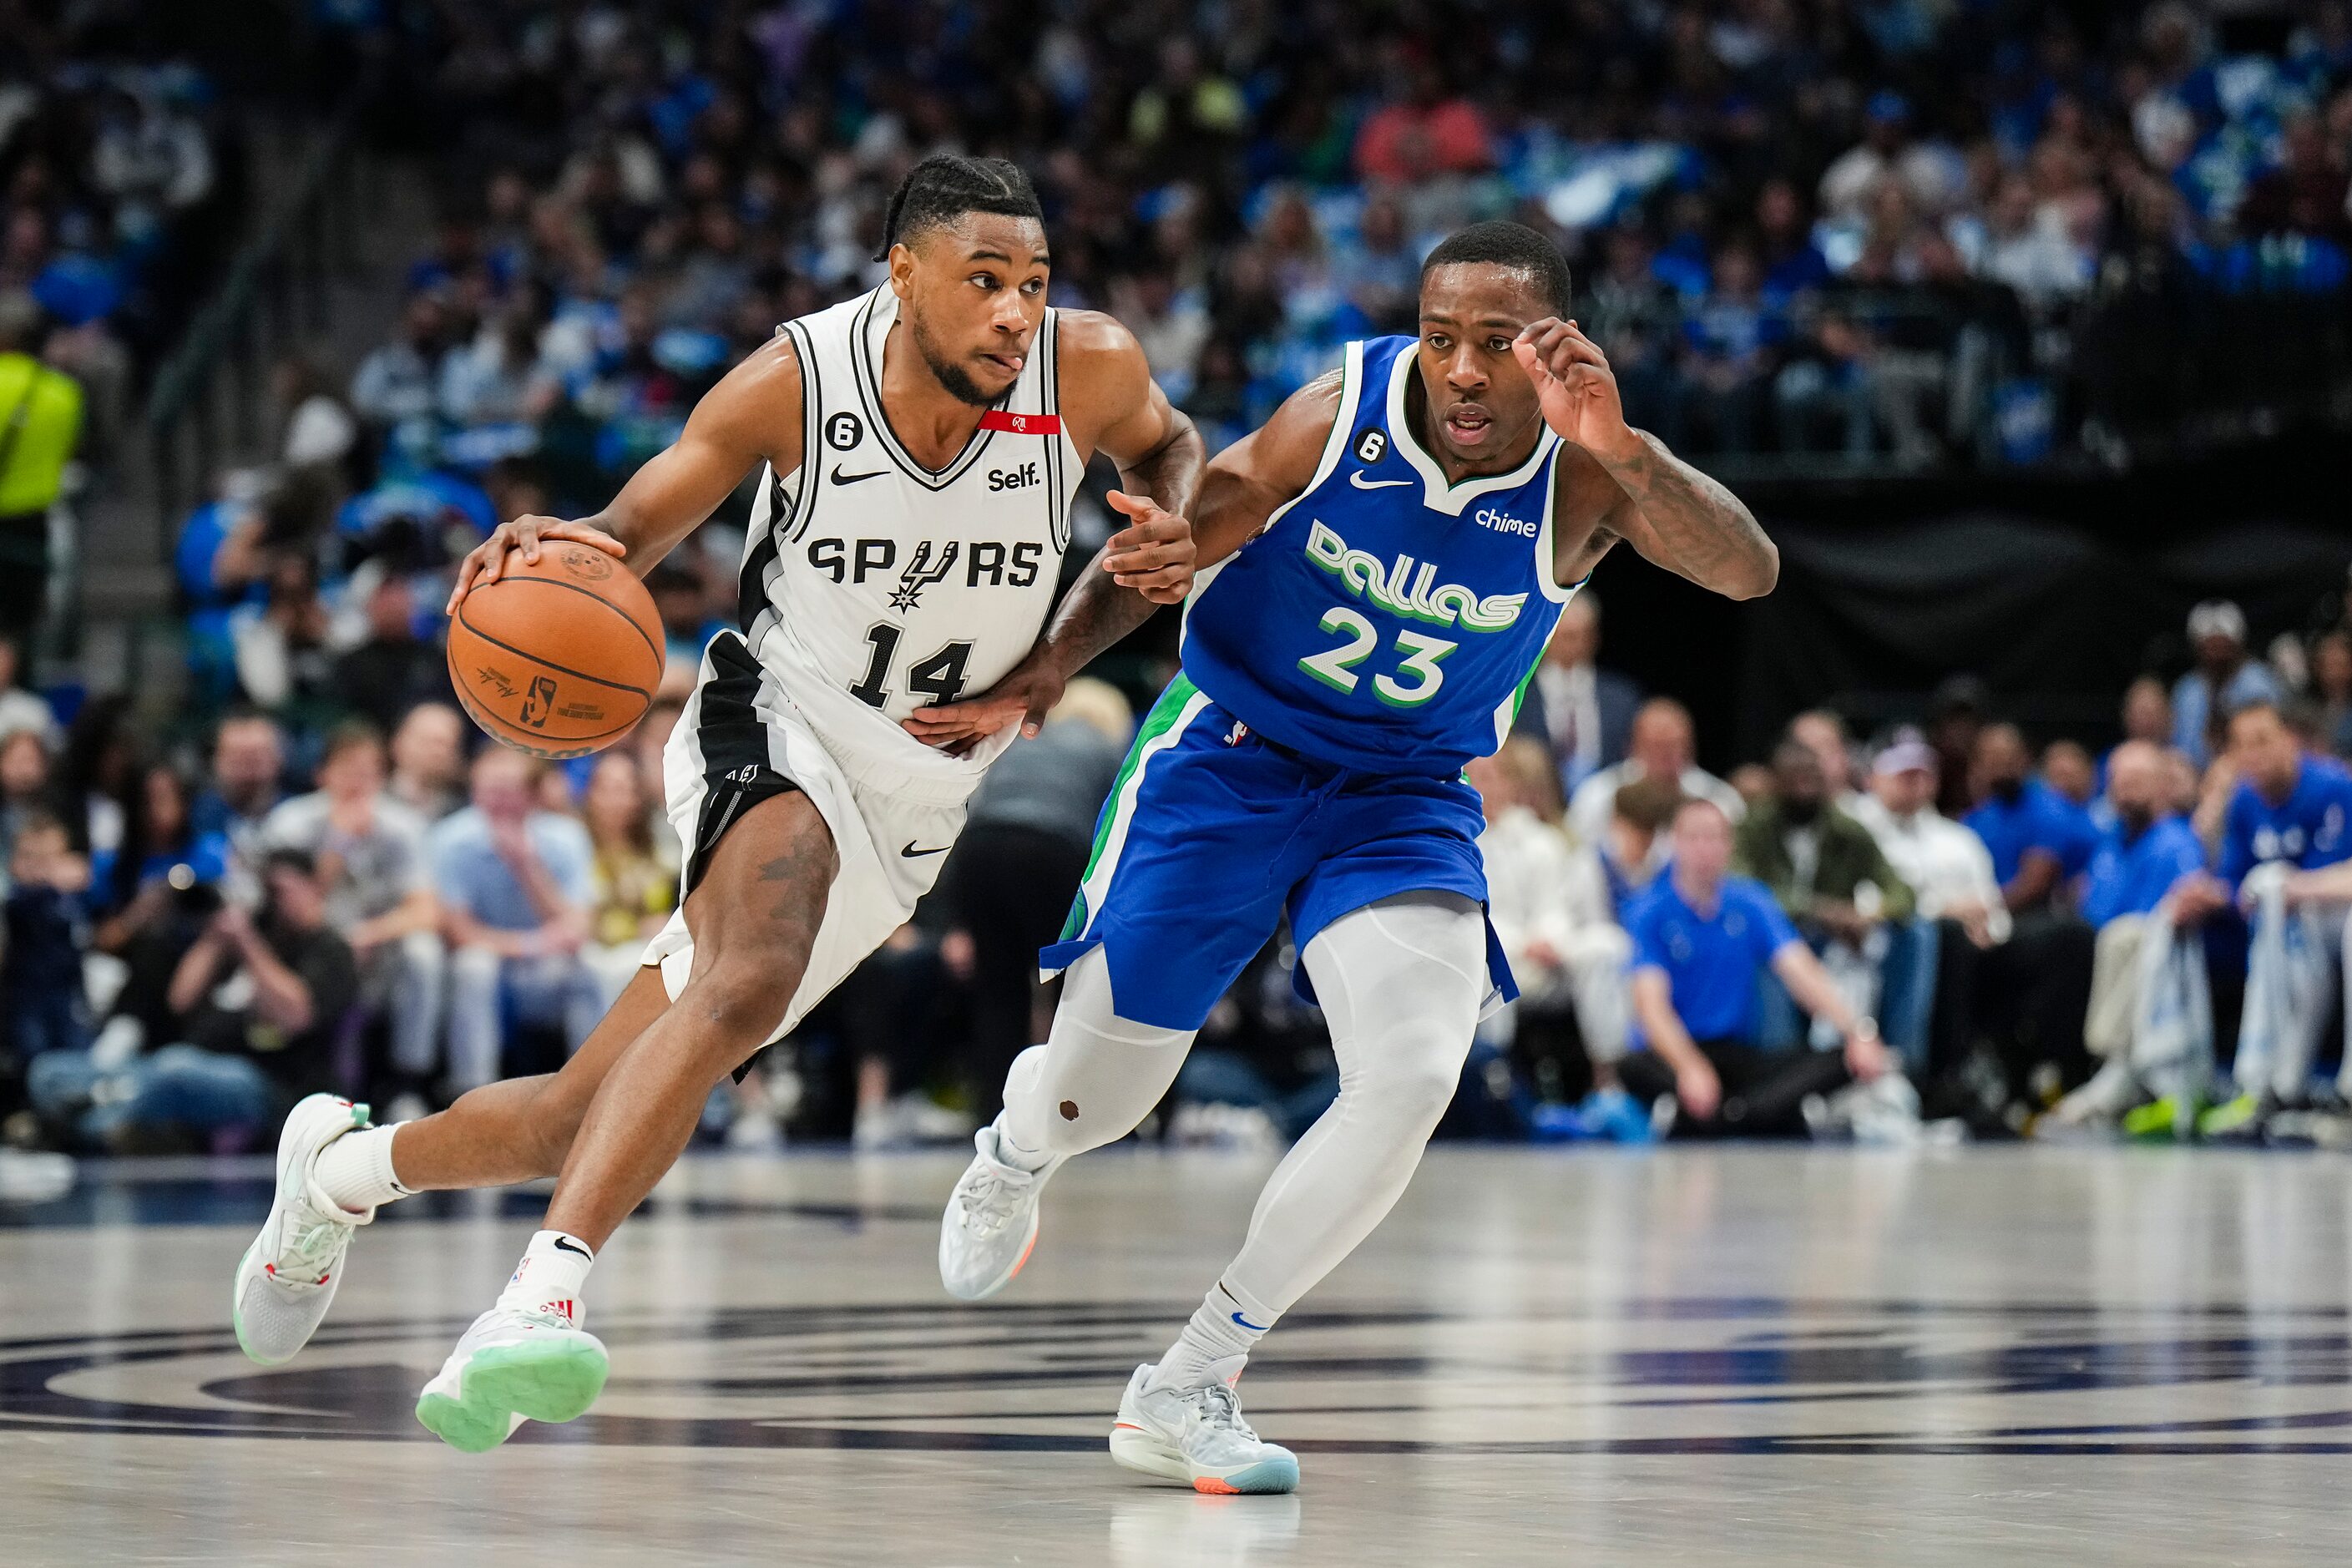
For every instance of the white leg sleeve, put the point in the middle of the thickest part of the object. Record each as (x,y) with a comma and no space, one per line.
(1401,983)
(1097,1075)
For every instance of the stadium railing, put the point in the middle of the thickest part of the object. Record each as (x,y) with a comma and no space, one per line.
(275,296)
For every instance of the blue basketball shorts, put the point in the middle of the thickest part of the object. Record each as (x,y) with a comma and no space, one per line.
(1212,834)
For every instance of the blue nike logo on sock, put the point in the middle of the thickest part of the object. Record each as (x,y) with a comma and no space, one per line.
(1244,1322)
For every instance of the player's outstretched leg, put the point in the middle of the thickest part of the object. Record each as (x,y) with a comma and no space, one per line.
(1401,983)
(1096,1077)
(755,918)
(334,1170)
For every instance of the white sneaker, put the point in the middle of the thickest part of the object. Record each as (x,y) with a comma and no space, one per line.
(288,1277)
(1197,1436)
(992,1221)
(2112,1090)
(509,1368)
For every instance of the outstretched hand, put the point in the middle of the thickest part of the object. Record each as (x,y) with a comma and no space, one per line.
(1154,554)
(1575,387)
(523,537)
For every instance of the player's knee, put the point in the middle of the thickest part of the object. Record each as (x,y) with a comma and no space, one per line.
(1416,1072)
(739,998)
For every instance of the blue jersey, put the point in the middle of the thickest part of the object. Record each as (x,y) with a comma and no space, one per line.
(1710,961)
(1385,620)
(2305,829)
(2130,876)
(2039,818)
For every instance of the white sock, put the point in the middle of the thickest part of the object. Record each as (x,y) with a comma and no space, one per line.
(1215,1344)
(355,1171)
(552,1277)
(1014,1156)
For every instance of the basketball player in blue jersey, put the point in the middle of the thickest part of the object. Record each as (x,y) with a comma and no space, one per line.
(1379,568)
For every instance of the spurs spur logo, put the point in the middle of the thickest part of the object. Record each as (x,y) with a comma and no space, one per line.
(922,572)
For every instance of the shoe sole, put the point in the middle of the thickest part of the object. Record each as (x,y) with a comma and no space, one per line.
(238,1281)
(553,1382)
(1138,1450)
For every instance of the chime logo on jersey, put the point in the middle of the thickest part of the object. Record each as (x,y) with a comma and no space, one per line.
(1395,587)
(922,572)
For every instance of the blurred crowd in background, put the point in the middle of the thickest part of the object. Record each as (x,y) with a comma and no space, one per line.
(1868,232)
(373,898)
(1907,233)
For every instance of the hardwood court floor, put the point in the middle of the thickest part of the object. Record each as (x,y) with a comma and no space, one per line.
(1744,1356)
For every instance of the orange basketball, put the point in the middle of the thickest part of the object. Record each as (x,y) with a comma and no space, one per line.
(560,659)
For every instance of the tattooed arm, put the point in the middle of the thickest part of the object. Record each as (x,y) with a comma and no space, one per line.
(1675,516)
(1114,408)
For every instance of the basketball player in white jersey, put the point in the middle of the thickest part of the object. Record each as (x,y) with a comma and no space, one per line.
(922,445)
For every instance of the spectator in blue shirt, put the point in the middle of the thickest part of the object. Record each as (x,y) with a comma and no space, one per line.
(218,565)
(247,783)
(2145,856)
(2293,810)
(1701,937)
(516,885)
(2224,681)
(2147,851)
(1729,344)
(2038,837)
(2287,805)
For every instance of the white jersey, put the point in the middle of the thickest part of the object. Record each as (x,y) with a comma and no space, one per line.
(871,585)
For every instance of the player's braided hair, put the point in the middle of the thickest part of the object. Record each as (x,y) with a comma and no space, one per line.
(946,186)
(1511,245)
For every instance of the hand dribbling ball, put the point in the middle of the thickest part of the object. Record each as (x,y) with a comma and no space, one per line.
(560,659)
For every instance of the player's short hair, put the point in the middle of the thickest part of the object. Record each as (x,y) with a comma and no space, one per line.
(946,186)
(1509,245)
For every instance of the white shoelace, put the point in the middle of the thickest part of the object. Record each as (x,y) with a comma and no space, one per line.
(1216,1407)
(992,1198)
(313,1246)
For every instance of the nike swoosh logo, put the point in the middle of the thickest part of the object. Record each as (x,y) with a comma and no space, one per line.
(1244,1322)
(1357,479)
(841,478)
(911,853)
(563,1245)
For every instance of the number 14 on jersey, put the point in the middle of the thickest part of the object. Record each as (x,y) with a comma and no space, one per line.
(938,677)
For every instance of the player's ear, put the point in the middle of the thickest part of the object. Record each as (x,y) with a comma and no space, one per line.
(902,270)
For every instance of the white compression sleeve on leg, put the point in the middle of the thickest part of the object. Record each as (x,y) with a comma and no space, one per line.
(1097,1075)
(1401,983)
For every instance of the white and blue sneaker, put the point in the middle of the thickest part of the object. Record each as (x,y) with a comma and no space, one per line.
(990,1224)
(1197,1436)
(510,1367)
(288,1277)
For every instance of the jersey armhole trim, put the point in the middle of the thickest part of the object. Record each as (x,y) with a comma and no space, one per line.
(1546,547)
(811,417)
(1049,398)
(1343,424)
(1335,448)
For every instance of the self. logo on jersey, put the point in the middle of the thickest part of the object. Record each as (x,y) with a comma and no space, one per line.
(1395,587)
